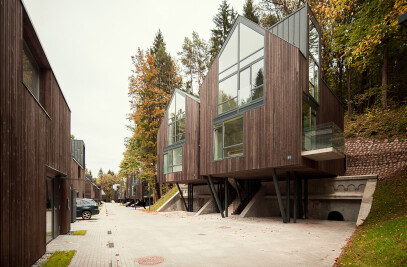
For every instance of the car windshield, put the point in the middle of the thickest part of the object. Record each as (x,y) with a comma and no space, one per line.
(85,201)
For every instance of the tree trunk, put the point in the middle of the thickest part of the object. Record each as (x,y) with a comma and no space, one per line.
(157,194)
(340,74)
(384,72)
(349,95)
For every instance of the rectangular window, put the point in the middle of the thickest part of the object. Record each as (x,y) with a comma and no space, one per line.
(313,41)
(251,83)
(257,79)
(227,98)
(245,87)
(309,123)
(31,73)
(228,138)
(165,167)
(172,160)
(176,119)
(313,70)
(218,142)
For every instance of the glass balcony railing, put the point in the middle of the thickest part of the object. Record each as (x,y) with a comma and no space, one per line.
(327,135)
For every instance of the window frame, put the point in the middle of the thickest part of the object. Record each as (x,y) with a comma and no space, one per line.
(175,121)
(28,53)
(165,170)
(222,123)
(316,64)
(241,68)
(312,110)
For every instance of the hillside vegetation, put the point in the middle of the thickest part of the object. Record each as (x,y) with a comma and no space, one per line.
(378,124)
(382,239)
(164,199)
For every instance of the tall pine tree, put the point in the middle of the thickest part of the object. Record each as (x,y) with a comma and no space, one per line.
(223,24)
(250,11)
(195,60)
(167,75)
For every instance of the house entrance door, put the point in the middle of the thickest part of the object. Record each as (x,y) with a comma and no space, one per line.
(52,208)
(49,228)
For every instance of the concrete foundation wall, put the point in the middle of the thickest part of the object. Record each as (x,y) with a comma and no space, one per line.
(343,194)
(201,197)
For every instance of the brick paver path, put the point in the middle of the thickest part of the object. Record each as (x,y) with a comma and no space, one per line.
(183,239)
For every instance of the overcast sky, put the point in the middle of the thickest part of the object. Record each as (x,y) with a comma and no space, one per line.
(89,45)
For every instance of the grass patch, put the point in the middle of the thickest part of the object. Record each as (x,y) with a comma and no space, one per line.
(164,199)
(79,232)
(382,239)
(60,258)
(378,124)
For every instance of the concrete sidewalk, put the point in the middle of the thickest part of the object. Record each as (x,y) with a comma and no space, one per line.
(182,239)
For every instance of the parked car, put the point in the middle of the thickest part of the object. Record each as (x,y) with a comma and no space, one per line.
(86,207)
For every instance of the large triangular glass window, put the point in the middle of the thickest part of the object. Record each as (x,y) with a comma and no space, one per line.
(241,69)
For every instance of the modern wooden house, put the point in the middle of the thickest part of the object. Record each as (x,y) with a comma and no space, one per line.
(178,140)
(134,188)
(78,167)
(265,114)
(35,148)
(92,191)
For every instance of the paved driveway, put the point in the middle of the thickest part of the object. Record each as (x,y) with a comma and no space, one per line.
(182,239)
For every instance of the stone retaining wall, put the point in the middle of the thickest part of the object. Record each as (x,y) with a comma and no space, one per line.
(367,156)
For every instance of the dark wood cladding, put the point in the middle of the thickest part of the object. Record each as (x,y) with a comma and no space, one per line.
(134,194)
(162,141)
(272,133)
(77,173)
(35,143)
(285,105)
(92,191)
(332,109)
(190,150)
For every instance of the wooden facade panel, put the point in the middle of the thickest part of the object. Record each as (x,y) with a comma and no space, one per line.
(190,149)
(285,105)
(190,152)
(208,111)
(76,171)
(332,109)
(27,143)
(162,141)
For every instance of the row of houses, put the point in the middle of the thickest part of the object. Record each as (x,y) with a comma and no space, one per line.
(266,124)
(131,188)
(42,169)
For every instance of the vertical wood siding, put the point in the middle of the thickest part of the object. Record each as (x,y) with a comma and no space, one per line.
(31,139)
(162,141)
(78,172)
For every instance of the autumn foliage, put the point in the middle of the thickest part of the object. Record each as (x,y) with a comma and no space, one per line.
(153,79)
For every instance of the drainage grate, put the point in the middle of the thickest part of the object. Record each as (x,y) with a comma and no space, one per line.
(111,245)
(151,260)
(109,232)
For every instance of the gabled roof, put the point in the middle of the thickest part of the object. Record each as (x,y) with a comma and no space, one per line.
(294,28)
(291,29)
(181,93)
(184,94)
(240,19)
